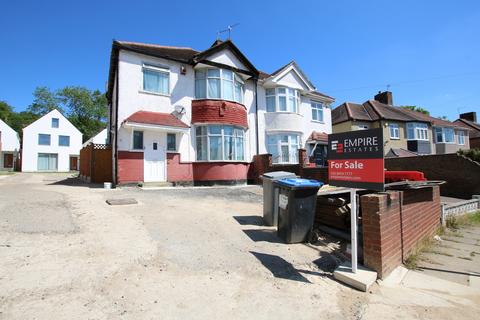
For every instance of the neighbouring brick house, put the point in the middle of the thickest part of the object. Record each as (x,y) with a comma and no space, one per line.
(405,132)
(199,117)
(469,121)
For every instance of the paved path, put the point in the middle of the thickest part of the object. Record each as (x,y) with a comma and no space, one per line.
(455,258)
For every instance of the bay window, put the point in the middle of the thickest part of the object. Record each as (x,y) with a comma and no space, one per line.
(417,131)
(220,143)
(283,147)
(218,84)
(156,79)
(317,111)
(446,135)
(282,100)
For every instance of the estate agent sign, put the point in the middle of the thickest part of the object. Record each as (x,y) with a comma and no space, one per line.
(355,159)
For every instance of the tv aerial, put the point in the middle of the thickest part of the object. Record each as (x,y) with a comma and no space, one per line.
(229,30)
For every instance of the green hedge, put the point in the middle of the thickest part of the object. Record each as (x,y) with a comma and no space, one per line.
(473,154)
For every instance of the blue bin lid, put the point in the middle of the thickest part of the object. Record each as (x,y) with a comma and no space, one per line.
(299,182)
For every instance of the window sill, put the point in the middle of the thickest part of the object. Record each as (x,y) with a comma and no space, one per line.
(391,138)
(154,93)
(318,121)
(220,161)
(286,112)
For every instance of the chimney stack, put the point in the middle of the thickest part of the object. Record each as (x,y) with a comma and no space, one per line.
(470,116)
(385,97)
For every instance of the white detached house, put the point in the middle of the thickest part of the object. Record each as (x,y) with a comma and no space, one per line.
(52,143)
(9,147)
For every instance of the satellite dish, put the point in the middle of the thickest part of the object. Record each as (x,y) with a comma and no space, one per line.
(179,109)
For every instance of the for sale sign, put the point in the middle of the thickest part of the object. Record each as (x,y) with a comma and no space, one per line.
(355,159)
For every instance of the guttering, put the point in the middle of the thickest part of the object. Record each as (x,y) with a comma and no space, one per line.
(115,176)
(148,126)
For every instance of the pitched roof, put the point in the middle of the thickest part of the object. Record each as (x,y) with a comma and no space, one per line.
(219,45)
(156,118)
(373,110)
(318,136)
(467,124)
(400,153)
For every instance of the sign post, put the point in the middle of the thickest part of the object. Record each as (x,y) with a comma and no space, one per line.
(355,160)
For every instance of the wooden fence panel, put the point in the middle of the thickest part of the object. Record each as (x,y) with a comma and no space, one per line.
(96,163)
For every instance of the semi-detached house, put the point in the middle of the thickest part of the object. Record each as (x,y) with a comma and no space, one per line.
(187,116)
(405,132)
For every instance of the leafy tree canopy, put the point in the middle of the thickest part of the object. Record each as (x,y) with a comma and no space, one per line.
(415,108)
(44,101)
(6,111)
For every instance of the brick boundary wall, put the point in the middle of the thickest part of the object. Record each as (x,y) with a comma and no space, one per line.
(395,223)
(462,175)
(262,163)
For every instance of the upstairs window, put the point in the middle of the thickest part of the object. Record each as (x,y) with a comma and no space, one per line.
(64,141)
(444,135)
(282,100)
(55,122)
(317,111)
(461,137)
(218,84)
(43,139)
(394,131)
(156,79)
(417,131)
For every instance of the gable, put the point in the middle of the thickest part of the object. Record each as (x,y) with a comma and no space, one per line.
(45,124)
(228,58)
(292,80)
(8,137)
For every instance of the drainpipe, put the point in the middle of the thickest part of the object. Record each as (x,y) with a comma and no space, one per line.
(115,150)
(255,81)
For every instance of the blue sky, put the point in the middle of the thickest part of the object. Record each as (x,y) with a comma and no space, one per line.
(428,51)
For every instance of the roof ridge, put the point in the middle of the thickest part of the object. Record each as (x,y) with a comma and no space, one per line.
(348,110)
(155,45)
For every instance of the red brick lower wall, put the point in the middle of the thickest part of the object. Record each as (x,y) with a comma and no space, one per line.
(263,163)
(130,167)
(181,172)
(394,224)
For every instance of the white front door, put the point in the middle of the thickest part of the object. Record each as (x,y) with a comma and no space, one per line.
(154,155)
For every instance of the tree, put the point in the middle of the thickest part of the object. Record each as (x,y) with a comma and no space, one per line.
(6,111)
(20,120)
(44,101)
(87,109)
(415,108)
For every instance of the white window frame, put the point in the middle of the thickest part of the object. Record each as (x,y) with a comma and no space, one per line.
(222,135)
(443,130)
(461,137)
(236,79)
(158,69)
(280,143)
(395,129)
(420,131)
(287,95)
(318,107)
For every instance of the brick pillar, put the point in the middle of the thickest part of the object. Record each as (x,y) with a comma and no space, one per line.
(382,244)
(261,164)
(302,158)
